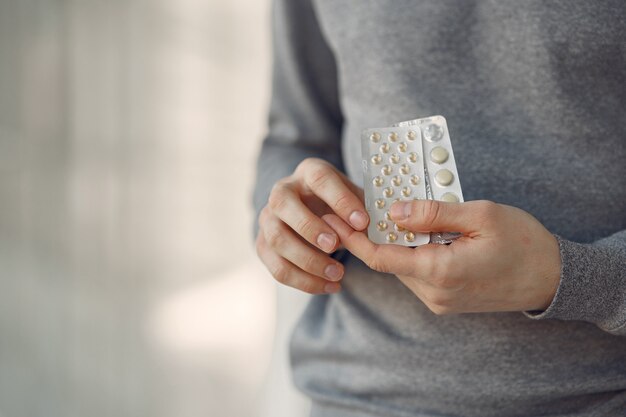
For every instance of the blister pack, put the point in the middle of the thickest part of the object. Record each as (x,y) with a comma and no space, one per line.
(412,160)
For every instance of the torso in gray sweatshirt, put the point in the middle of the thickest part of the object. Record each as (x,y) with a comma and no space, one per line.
(535,98)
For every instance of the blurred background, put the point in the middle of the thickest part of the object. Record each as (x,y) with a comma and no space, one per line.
(129,285)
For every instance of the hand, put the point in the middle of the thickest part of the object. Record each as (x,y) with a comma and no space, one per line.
(293,241)
(505,261)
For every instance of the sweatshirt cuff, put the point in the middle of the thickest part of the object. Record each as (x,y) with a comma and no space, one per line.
(591,288)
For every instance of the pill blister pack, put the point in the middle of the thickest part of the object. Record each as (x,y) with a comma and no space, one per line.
(412,160)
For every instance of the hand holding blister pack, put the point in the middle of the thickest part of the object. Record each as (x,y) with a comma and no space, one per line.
(412,160)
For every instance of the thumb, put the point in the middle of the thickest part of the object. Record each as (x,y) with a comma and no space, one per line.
(438,216)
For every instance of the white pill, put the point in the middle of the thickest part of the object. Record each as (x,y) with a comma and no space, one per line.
(439,155)
(450,198)
(444,177)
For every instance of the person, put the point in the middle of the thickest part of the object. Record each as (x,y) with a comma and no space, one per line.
(525,314)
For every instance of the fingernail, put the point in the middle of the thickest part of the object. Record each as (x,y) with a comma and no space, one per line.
(333,272)
(400,210)
(358,219)
(332,287)
(326,241)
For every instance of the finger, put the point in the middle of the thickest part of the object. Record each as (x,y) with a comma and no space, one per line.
(358,191)
(326,183)
(392,259)
(438,216)
(288,274)
(291,247)
(286,204)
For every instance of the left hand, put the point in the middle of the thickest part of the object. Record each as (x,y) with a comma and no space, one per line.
(505,261)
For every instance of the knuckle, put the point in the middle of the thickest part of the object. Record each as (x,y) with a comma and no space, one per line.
(429,212)
(280,273)
(309,286)
(377,265)
(311,263)
(278,196)
(259,244)
(319,177)
(274,237)
(305,227)
(263,215)
(342,203)
(306,164)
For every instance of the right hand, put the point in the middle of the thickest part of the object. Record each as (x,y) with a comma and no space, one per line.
(294,242)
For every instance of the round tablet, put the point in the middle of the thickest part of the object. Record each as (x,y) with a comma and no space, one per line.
(439,155)
(381,226)
(444,177)
(380,203)
(392,237)
(393,136)
(388,192)
(386,170)
(402,147)
(394,158)
(378,181)
(375,137)
(405,169)
(376,159)
(406,191)
(397,180)
(409,237)
(384,148)
(415,179)
(412,157)
(411,135)
(450,198)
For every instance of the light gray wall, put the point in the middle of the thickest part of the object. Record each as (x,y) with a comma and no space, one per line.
(128,285)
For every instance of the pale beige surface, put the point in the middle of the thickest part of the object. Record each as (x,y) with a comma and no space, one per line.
(128,281)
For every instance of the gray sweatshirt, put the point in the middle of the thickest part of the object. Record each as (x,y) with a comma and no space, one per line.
(535,98)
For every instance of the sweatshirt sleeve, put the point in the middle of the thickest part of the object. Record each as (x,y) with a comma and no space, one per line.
(305,118)
(593,284)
